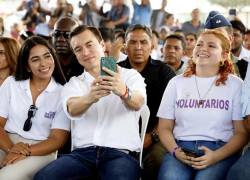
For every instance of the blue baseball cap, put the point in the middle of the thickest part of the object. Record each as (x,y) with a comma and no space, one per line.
(216,20)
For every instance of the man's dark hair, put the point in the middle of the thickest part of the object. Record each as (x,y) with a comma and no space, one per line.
(236,24)
(22,72)
(155,33)
(192,34)
(132,28)
(107,34)
(247,31)
(178,37)
(168,15)
(82,28)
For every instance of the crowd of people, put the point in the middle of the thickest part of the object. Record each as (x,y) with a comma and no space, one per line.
(61,118)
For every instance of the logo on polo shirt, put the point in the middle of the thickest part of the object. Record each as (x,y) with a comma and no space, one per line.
(50,115)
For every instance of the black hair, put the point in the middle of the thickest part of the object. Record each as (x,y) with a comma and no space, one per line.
(107,34)
(192,34)
(22,72)
(247,31)
(178,37)
(169,15)
(236,24)
(26,34)
(132,28)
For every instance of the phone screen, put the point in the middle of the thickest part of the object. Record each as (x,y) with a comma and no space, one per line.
(110,63)
(189,152)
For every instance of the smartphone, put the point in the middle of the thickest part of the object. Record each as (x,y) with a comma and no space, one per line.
(190,152)
(108,62)
(232,12)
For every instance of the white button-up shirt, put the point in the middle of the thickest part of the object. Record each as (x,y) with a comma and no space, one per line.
(15,102)
(108,122)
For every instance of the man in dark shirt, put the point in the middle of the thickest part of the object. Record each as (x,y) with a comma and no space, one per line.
(157,75)
(60,41)
(67,59)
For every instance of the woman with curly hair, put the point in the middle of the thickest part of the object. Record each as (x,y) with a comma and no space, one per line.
(200,115)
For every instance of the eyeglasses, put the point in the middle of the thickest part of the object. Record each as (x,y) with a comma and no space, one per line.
(31,113)
(58,34)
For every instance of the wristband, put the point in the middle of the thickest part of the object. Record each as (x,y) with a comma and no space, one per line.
(29,151)
(174,150)
(125,94)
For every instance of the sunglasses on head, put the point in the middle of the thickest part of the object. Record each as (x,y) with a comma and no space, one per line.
(58,34)
(31,113)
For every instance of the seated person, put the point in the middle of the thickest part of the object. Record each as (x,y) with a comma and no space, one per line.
(105,112)
(32,123)
(200,125)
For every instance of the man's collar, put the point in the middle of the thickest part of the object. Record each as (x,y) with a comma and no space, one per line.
(244,54)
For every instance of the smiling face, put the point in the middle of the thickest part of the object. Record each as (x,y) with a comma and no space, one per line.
(208,51)
(41,63)
(88,49)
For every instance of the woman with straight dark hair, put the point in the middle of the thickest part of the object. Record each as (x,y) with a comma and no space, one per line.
(9,49)
(33,125)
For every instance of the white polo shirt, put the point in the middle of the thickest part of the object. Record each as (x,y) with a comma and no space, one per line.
(108,122)
(16,100)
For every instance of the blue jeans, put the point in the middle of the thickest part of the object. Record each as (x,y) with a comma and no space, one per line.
(173,169)
(106,163)
(240,170)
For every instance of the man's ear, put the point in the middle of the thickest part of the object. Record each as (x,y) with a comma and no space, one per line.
(125,48)
(152,46)
(103,45)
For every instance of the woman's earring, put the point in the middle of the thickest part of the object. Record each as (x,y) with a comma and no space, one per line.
(192,60)
(222,63)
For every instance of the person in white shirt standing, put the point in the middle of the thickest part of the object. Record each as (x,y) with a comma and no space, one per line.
(200,115)
(105,112)
(32,122)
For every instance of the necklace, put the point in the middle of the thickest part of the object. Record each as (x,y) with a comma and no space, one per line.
(202,98)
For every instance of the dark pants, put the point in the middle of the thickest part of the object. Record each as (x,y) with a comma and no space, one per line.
(240,170)
(152,159)
(105,163)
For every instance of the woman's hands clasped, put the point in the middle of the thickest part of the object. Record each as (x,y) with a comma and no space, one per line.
(209,158)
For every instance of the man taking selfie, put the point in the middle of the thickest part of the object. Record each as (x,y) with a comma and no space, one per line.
(105,112)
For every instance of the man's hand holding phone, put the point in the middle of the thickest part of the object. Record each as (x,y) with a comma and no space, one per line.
(110,75)
(97,91)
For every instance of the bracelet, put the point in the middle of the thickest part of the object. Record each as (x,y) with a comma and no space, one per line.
(124,96)
(174,150)
(29,151)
